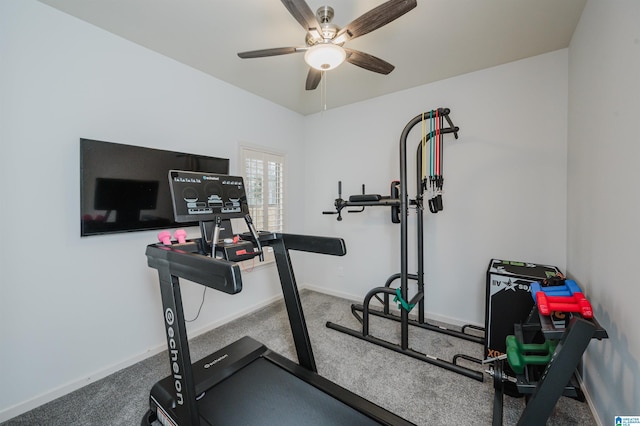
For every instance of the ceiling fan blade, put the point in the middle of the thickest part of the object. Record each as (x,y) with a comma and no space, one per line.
(374,19)
(270,52)
(368,62)
(313,79)
(301,11)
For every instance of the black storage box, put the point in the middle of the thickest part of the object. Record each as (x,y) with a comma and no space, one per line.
(509,299)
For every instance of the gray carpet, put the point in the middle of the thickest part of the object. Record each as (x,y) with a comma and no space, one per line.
(420,392)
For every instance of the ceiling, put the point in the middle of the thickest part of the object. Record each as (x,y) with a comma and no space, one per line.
(436,40)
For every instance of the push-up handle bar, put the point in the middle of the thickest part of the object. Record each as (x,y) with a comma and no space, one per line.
(365,200)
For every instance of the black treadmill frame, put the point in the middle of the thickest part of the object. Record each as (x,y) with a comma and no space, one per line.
(189,261)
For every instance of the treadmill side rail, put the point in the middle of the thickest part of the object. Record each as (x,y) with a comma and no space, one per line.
(313,244)
(184,261)
(293,304)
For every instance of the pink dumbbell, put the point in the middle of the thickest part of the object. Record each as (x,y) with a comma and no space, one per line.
(180,235)
(164,237)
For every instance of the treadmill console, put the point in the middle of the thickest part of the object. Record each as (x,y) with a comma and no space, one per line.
(214,198)
(200,196)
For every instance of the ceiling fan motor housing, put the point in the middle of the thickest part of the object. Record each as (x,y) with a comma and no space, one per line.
(328,30)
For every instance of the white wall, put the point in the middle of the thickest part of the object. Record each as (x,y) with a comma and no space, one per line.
(505,182)
(74,308)
(603,202)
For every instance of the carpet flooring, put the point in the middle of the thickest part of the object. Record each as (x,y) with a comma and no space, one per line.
(420,392)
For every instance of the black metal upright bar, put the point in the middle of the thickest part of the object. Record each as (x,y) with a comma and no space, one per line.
(404,212)
(179,356)
(294,306)
(281,244)
(420,227)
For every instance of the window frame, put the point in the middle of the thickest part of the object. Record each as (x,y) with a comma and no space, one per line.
(265,155)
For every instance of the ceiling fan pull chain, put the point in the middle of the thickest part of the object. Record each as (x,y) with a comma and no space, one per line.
(323,95)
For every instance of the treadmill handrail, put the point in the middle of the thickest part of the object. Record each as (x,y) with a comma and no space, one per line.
(308,243)
(184,261)
(313,244)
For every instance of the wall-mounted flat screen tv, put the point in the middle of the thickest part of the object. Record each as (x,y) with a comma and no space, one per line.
(125,188)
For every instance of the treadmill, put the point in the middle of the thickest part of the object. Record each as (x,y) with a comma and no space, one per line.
(244,383)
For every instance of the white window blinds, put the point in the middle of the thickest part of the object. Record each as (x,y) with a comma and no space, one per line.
(263,174)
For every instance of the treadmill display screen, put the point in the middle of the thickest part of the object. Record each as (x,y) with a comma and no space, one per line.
(203,197)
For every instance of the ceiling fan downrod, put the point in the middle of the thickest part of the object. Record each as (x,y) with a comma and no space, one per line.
(328,30)
(324,14)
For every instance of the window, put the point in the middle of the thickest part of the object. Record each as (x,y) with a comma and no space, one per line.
(263,174)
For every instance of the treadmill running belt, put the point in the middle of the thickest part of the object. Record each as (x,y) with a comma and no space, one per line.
(264,394)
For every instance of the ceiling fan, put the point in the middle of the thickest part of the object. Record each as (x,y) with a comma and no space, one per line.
(324,41)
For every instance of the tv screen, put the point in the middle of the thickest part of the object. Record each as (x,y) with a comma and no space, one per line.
(125,188)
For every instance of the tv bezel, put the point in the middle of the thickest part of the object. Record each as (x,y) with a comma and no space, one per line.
(86,231)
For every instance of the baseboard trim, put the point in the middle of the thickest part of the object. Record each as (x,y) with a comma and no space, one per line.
(340,294)
(35,402)
(589,400)
(358,299)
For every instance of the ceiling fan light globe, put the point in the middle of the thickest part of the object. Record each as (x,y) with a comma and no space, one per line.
(325,57)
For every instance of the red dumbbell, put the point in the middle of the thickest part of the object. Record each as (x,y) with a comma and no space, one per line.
(575,303)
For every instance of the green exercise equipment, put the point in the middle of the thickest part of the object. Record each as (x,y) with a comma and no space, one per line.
(402,304)
(519,354)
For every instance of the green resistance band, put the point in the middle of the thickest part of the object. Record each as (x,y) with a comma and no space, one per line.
(401,302)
